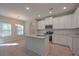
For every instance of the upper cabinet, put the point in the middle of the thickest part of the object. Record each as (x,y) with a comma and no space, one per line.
(67,21)
(76,18)
(63,22)
(43,23)
(49,21)
(58,23)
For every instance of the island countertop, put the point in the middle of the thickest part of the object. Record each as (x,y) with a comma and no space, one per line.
(35,36)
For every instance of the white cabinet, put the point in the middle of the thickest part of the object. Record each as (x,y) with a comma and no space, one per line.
(63,40)
(63,22)
(67,21)
(59,39)
(43,23)
(74,21)
(49,21)
(58,23)
(75,45)
(76,18)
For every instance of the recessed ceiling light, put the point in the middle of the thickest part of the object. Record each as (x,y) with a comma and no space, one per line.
(50,12)
(65,8)
(27,8)
(39,16)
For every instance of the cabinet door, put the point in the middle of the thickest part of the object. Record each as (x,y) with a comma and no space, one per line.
(74,21)
(58,23)
(68,21)
(75,44)
(41,25)
(49,21)
(76,18)
(62,39)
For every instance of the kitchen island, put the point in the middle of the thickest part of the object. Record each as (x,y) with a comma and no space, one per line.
(37,44)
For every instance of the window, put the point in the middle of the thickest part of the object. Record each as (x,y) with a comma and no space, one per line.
(19,29)
(5,29)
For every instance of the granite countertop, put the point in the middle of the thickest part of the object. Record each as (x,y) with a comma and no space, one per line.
(70,35)
(35,36)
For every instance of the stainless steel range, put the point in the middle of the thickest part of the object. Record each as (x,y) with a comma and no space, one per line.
(49,31)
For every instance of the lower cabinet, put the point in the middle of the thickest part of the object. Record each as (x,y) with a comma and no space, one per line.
(75,45)
(63,40)
(71,41)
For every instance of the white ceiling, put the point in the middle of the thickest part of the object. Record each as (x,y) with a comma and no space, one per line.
(19,11)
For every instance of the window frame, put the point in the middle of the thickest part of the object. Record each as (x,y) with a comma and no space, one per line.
(4,30)
(18,30)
